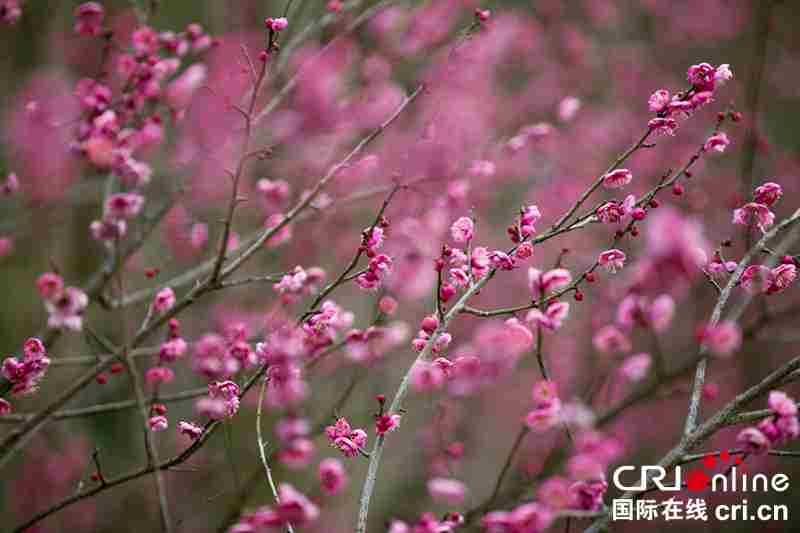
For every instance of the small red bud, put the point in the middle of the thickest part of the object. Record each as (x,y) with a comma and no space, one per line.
(688,173)
(720,116)
(787,260)
(634,231)
(654,203)
(429,324)
(446,292)
(736,116)
(677,189)
(95,476)
(455,450)
(116,368)
(578,296)
(639,214)
(482,14)
(381,398)
(590,277)
(101,379)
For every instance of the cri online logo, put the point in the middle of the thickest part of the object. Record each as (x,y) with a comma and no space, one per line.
(732,479)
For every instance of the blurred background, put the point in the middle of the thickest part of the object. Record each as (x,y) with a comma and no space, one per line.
(584,68)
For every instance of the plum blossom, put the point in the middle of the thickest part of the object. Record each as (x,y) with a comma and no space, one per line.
(193,431)
(164,300)
(755,279)
(552,318)
(426,376)
(639,310)
(11,185)
(636,367)
(386,423)
(462,229)
(758,279)
(717,143)
(294,507)
(299,282)
(332,476)
(658,100)
(753,440)
(723,74)
(529,216)
(449,491)
(519,337)
(181,90)
(10,11)
(553,280)
(663,125)
(782,404)
(616,212)
(89,19)
(756,213)
(612,260)
(780,428)
(25,374)
(372,238)
(768,194)
(297,454)
(158,375)
(65,308)
(482,168)
(780,278)
(609,339)
(379,267)
(529,517)
(722,339)
(276,24)
(222,400)
(480,261)
(172,350)
(501,260)
(568,107)
(703,76)
(588,495)
(157,423)
(345,439)
(617,179)
(546,412)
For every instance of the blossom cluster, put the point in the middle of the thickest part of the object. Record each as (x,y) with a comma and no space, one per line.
(64,305)
(222,400)
(704,79)
(25,374)
(546,410)
(759,210)
(293,508)
(344,438)
(778,429)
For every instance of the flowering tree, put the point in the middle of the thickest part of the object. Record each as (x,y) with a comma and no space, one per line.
(370,266)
